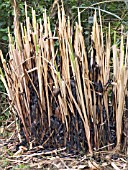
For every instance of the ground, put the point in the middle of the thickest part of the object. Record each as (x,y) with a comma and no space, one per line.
(58,159)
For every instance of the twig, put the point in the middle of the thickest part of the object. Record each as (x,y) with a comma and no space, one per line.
(110,13)
(42,153)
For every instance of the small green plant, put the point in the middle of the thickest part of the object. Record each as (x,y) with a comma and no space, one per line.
(21,166)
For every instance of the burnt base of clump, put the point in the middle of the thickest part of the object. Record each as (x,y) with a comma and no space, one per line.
(56,136)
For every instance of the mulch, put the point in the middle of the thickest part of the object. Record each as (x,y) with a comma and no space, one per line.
(15,156)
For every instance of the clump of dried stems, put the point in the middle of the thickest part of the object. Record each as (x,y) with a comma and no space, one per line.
(51,76)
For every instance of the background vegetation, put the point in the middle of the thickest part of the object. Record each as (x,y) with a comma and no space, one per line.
(119,9)
(62,77)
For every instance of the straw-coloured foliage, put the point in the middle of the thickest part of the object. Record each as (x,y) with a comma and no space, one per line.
(61,95)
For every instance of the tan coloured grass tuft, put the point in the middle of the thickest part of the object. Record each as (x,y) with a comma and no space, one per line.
(35,82)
